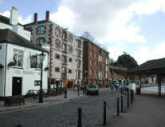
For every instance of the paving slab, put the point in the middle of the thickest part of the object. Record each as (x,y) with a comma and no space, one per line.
(147,111)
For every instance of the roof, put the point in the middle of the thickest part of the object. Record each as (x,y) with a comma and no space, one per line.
(94,44)
(6,20)
(153,66)
(38,22)
(8,36)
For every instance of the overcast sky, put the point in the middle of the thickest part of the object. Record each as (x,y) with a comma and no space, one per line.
(134,26)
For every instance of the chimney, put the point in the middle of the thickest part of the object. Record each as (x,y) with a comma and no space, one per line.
(35,17)
(47,15)
(13,16)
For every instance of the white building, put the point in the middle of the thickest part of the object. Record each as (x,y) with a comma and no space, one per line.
(20,64)
(12,24)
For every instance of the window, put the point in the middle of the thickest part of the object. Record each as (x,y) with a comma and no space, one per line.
(35,61)
(79,53)
(18,58)
(41,29)
(79,63)
(57,69)
(70,49)
(64,35)
(41,41)
(57,56)
(69,71)
(0,47)
(70,37)
(79,44)
(64,59)
(70,59)
(58,44)
(64,70)
(79,74)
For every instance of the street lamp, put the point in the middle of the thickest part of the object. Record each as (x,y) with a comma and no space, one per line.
(41,67)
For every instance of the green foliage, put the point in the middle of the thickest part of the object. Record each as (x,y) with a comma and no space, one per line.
(125,60)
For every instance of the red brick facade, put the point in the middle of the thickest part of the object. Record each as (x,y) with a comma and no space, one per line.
(95,64)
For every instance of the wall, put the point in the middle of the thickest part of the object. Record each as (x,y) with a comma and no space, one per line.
(28,74)
(53,34)
(2,70)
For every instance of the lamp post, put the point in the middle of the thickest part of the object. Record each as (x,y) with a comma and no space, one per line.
(41,75)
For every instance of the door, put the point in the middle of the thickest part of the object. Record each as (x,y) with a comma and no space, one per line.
(17,86)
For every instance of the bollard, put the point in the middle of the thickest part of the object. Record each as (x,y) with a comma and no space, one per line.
(118,106)
(104,114)
(127,98)
(78,91)
(19,125)
(65,93)
(132,96)
(79,121)
(122,106)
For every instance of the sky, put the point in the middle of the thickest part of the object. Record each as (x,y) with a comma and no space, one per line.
(132,26)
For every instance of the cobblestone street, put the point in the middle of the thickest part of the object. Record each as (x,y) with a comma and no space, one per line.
(64,114)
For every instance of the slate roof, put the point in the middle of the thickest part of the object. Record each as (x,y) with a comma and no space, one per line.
(6,20)
(153,64)
(8,36)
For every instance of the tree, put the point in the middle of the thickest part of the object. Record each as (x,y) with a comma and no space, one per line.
(125,60)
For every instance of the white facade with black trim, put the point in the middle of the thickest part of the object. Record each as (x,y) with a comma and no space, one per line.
(20,67)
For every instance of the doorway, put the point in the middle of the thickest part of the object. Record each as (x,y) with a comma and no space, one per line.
(17,86)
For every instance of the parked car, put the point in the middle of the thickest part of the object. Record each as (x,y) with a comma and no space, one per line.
(92,89)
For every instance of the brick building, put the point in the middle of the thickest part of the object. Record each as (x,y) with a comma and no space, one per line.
(95,64)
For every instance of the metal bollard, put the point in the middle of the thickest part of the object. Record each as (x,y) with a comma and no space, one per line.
(132,96)
(19,125)
(104,113)
(78,91)
(65,93)
(118,106)
(122,106)
(79,121)
(128,98)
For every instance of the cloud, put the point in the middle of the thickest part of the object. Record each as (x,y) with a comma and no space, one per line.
(144,53)
(114,52)
(112,21)
(108,20)
(21,19)
(64,17)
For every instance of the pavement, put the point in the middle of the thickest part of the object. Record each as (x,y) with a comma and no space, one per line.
(33,103)
(147,111)
(64,114)
(152,90)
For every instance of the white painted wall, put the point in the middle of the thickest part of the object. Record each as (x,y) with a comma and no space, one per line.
(2,71)
(29,75)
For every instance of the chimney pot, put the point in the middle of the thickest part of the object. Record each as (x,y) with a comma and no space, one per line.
(47,15)
(35,17)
